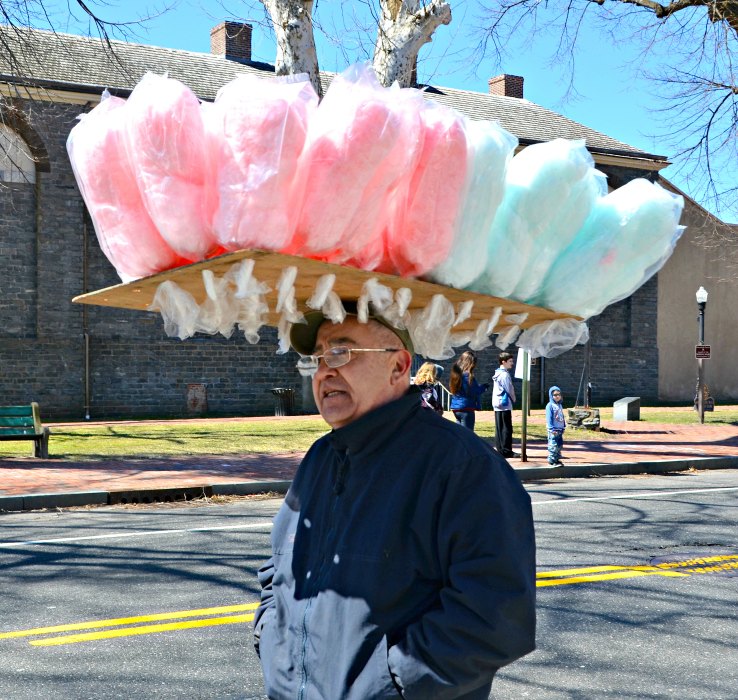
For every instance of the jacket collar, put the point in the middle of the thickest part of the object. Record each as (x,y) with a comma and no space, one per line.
(372,429)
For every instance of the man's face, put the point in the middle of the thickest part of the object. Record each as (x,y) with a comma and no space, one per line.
(368,381)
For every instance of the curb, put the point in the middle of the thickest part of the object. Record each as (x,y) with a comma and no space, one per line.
(38,501)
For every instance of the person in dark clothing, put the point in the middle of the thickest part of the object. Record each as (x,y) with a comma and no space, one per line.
(403,556)
(465,390)
(503,398)
(430,391)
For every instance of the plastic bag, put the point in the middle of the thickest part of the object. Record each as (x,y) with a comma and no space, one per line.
(178,309)
(490,151)
(553,338)
(628,236)
(256,131)
(166,145)
(127,235)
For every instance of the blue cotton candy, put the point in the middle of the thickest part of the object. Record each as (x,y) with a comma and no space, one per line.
(490,151)
(626,239)
(539,201)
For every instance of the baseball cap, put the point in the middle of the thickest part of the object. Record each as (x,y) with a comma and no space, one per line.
(304,335)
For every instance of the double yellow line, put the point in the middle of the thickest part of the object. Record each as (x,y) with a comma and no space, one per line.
(134,627)
(675,569)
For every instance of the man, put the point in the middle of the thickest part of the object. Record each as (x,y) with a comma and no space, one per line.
(403,555)
(503,397)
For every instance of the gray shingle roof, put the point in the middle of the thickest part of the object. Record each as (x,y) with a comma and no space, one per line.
(71,62)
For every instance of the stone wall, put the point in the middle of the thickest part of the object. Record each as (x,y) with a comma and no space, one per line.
(49,254)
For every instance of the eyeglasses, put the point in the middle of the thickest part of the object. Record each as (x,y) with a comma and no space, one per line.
(336,357)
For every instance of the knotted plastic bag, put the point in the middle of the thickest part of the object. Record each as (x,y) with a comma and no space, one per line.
(127,235)
(553,338)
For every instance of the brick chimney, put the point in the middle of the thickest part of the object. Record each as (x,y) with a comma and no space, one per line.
(232,40)
(506,86)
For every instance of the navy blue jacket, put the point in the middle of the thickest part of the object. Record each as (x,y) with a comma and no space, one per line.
(403,565)
(469,398)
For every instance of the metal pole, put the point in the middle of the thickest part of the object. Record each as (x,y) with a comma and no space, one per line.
(526,401)
(700,375)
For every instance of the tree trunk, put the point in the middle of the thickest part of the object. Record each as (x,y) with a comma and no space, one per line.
(293,26)
(404,26)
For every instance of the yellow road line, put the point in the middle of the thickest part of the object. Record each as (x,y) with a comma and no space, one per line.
(626,573)
(129,620)
(147,629)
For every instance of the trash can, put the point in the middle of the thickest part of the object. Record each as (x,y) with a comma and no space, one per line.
(284,401)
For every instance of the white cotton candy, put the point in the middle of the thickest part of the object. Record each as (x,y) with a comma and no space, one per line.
(553,338)
(543,188)
(178,308)
(490,151)
(627,237)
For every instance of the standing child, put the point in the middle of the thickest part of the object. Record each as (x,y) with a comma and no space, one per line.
(555,425)
(465,390)
(503,397)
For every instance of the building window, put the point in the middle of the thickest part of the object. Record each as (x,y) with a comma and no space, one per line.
(16,161)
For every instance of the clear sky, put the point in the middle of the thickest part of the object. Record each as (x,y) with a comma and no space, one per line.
(612,94)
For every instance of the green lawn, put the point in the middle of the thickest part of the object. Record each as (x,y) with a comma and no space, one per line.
(83,441)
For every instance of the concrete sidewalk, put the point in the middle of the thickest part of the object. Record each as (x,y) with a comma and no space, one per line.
(622,448)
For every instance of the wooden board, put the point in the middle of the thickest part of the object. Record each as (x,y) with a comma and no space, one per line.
(268,267)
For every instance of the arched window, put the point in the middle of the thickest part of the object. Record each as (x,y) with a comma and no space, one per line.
(16,161)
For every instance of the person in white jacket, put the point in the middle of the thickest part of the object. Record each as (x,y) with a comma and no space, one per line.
(503,398)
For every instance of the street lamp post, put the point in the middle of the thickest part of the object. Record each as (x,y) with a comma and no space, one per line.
(701,303)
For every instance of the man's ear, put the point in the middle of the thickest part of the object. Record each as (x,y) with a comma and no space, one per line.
(403,360)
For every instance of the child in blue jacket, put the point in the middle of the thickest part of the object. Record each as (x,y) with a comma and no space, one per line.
(555,425)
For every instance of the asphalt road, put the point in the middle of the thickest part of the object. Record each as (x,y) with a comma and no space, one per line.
(638,596)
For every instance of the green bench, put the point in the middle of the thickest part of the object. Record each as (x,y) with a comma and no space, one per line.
(24,423)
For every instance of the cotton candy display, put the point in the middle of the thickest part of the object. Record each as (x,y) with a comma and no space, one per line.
(256,132)
(166,144)
(490,150)
(124,229)
(372,177)
(628,236)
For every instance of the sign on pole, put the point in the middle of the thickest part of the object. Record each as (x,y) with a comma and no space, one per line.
(702,352)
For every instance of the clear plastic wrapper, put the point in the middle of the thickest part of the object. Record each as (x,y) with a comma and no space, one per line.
(219,312)
(250,297)
(490,151)
(326,300)
(424,215)
(430,329)
(545,202)
(256,130)
(507,336)
(127,235)
(166,145)
(178,309)
(628,236)
(553,338)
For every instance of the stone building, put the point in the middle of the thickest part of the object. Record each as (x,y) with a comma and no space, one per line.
(79,361)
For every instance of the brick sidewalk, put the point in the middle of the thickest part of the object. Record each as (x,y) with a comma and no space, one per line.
(620,442)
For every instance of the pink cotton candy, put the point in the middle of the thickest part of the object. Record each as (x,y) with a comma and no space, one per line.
(352,132)
(166,144)
(256,130)
(425,213)
(127,235)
